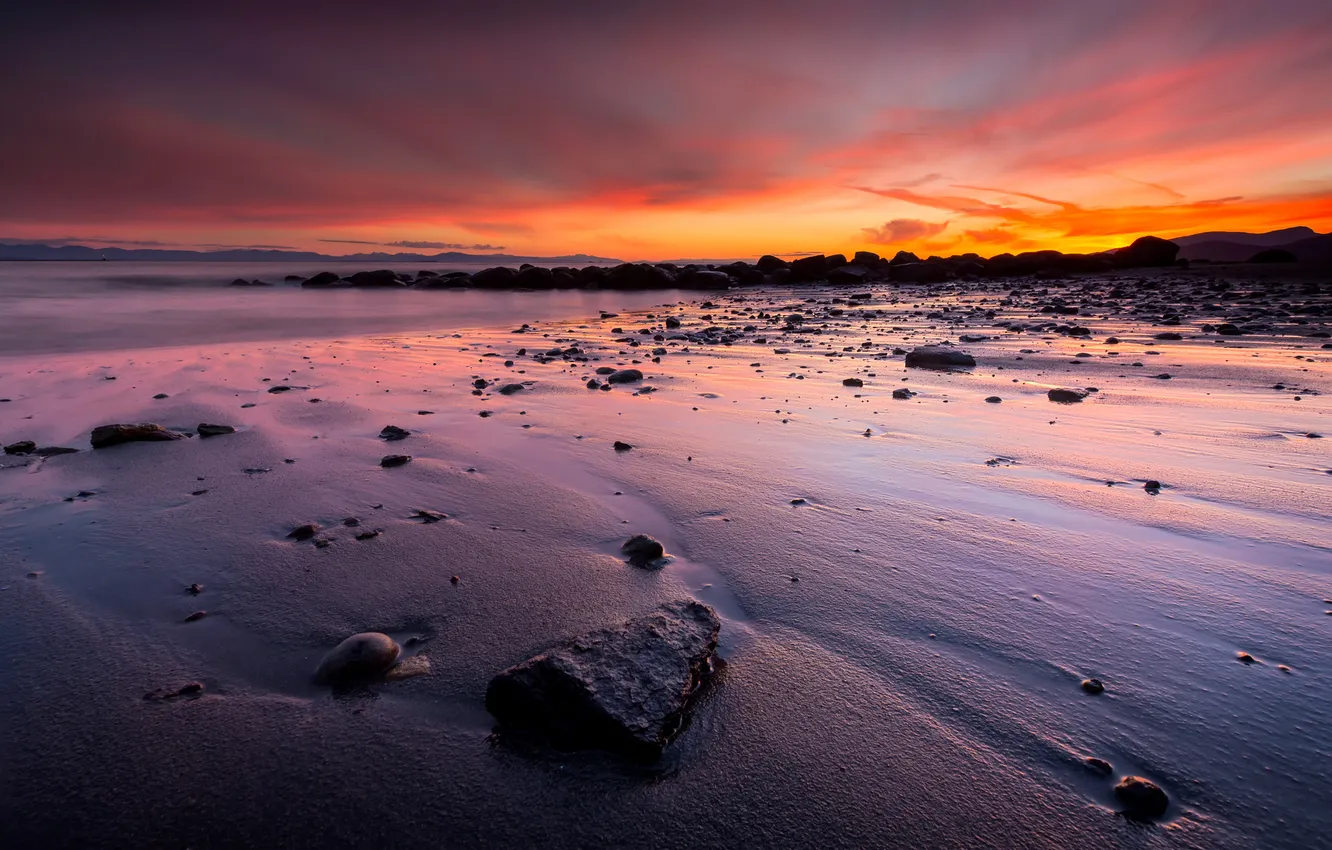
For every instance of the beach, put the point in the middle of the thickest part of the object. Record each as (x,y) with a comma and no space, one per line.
(911,590)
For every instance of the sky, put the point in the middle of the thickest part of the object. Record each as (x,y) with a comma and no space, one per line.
(663,130)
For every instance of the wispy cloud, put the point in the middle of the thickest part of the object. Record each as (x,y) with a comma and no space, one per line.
(1097,119)
(901,230)
(411,243)
(62,241)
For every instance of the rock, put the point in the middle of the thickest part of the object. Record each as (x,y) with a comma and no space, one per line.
(704,279)
(1152,486)
(321,279)
(104,436)
(624,376)
(769,264)
(498,277)
(304,532)
(933,357)
(409,668)
(428,517)
(919,273)
(902,394)
(193,690)
(852,382)
(621,446)
(1169,336)
(642,550)
(393,433)
(206,430)
(1100,766)
(638,276)
(194,589)
(1148,251)
(626,688)
(381,278)
(160,396)
(22,447)
(534,277)
(1142,798)
(52,451)
(510,389)
(1093,686)
(1274,255)
(848,274)
(359,657)
(1227,329)
(196,616)
(390,461)
(1065,395)
(809,268)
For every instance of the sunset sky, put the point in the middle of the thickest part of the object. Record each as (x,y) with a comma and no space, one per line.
(664,130)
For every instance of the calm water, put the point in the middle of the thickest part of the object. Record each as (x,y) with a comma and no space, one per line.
(61,307)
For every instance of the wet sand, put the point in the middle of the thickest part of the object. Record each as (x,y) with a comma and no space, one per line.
(911,590)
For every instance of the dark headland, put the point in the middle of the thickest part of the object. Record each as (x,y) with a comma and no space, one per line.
(862,267)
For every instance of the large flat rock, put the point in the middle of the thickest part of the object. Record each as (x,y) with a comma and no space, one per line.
(936,357)
(624,688)
(104,436)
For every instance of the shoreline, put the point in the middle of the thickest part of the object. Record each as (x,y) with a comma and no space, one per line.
(928,656)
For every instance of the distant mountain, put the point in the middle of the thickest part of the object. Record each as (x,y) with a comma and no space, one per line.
(1273,239)
(1315,250)
(1307,248)
(246,255)
(1220,251)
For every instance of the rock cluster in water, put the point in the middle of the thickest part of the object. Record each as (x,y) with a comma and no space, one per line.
(769,270)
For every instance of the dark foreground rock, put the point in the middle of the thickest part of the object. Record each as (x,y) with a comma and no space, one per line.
(321,279)
(931,357)
(642,550)
(362,656)
(146,432)
(625,688)
(625,376)
(1066,395)
(1141,798)
(1148,251)
(206,430)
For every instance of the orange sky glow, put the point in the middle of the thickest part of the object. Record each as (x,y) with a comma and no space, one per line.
(701,134)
